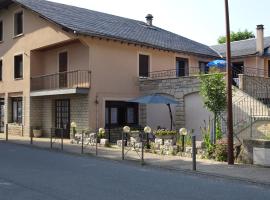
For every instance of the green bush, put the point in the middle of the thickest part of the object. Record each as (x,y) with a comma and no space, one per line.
(163,132)
(220,151)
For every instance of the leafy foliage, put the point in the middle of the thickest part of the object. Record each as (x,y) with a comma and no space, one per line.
(213,91)
(163,132)
(237,36)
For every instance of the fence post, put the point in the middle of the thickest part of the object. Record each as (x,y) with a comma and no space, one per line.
(6,132)
(62,139)
(82,147)
(123,153)
(31,135)
(142,148)
(51,139)
(194,151)
(96,143)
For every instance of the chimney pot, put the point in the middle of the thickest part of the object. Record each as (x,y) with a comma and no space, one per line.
(149,19)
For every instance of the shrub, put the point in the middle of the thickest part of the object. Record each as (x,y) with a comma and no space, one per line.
(220,151)
(163,132)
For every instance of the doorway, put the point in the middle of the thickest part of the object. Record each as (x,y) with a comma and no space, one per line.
(62,117)
(63,67)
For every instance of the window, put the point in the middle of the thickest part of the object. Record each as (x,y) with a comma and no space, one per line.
(181,67)
(18,23)
(17,110)
(1,66)
(143,65)
(18,67)
(1,31)
(118,113)
(203,67)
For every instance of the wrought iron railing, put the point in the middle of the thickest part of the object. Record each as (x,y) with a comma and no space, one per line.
(62,80)
(173,73)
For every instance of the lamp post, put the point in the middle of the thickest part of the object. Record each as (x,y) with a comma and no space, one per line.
(126,130)
(229,87)
(183,133)
(147,130)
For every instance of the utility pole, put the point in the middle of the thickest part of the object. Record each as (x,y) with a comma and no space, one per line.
(229,87)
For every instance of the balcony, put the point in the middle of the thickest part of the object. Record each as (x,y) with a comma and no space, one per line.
(71,82)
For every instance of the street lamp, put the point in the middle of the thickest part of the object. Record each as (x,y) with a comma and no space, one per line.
(147,130)
(126,129)
(183,133)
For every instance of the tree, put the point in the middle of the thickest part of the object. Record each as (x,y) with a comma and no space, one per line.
(236,36)
(213,91)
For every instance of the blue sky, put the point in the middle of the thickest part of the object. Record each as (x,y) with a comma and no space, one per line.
(200,20)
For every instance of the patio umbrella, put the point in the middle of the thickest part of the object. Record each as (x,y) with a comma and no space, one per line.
(156,99)
(217,63)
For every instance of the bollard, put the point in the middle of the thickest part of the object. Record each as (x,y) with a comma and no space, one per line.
(62,139)
(51,139)
(142,148)
(194,151)
(123,155)
(6,132)
(82,150)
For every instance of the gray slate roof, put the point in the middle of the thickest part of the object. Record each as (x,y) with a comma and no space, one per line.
(95,23)
(243,47)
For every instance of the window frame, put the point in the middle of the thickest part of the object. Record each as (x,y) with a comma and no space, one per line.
(14,67)
(149,63)
(206,69)
(186,68)
(15,34)
(18,118)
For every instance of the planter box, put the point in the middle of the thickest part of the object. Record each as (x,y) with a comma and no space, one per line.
(104,142)
(166,137)
(37,133)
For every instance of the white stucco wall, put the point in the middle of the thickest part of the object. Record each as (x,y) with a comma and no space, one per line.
(195,113)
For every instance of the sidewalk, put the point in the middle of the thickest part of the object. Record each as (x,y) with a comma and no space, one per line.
(250,173)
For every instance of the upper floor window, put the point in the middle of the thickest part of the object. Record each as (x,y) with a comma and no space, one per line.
(18,67)
(1,66)
(18,23)
(143,65)
(181,67)
(1,31)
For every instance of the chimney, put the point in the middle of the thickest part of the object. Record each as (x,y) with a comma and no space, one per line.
(149,19)
(260,39)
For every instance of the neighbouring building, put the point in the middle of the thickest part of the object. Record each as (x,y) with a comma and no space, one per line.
(60,63)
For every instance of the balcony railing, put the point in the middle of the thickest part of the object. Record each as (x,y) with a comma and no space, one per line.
(173,73)
(61,80)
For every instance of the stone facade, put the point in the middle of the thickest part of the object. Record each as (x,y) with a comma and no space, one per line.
(175,87)
(43,112)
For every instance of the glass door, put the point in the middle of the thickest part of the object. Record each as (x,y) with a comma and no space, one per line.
(62,117)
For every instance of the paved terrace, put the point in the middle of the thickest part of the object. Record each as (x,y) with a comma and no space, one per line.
(250,173)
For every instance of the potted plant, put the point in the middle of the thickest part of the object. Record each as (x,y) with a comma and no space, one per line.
(165,134)
(101,137)
(37,132)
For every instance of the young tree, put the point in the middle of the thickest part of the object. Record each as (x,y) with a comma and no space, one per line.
(213,91)
(236,36)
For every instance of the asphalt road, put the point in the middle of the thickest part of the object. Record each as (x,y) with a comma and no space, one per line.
(32,174)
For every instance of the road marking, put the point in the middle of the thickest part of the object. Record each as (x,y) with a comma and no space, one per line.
(5,184)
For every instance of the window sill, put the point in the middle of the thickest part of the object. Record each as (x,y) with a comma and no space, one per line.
(17,36)
(17,79)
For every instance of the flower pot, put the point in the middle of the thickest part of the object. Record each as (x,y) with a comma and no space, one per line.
(37,133)
(165,137)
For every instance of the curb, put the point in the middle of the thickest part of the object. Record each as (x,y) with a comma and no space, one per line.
(149,165)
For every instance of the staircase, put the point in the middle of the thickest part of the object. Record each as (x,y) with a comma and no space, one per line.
(251,116)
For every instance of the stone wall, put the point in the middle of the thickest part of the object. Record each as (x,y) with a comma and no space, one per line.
(175,87)
(43,112)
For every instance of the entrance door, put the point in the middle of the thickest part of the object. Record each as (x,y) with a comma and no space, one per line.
(62,117)
(63,67)
(2,116)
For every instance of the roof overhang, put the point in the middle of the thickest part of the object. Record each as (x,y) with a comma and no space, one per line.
(5,3)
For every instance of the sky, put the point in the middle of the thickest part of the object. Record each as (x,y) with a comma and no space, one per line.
(199,20)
